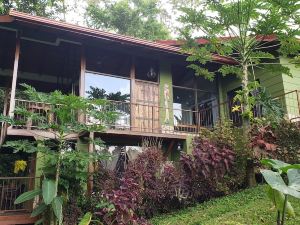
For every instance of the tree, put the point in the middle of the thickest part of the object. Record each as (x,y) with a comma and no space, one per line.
(238,30)
(45,8)
(138,18)
(66,163)
(100,93)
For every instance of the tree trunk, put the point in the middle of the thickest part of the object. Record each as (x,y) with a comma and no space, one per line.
(250,173)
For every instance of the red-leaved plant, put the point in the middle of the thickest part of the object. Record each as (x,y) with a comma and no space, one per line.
(123,203)
(204,169)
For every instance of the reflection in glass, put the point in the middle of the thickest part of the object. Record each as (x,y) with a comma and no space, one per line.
(194,107)
(114,89)
(183,106)
(208,109)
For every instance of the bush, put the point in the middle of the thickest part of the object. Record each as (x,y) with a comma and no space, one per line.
(279,142)
(151,185)
(204,170)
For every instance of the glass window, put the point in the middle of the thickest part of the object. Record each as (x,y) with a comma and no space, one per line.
(107,87)
(208,111)
(183,106)
(108,62)
(117,90)
(183,76)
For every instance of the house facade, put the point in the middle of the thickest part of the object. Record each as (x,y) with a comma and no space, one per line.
(147,83)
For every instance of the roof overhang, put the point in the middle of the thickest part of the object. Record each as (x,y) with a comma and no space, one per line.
(19,17)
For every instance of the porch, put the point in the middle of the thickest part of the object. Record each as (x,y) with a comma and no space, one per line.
(140,119)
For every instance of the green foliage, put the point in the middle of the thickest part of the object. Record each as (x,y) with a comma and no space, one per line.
(250,206)
(138,18)
(65,167)
(238,30)
(276,140)
(49,191)
(45,8)
(278,190)
(86,219)
(225,134)
(27,196)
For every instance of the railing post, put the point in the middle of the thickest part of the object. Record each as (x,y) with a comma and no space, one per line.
(14,78)
(298,100)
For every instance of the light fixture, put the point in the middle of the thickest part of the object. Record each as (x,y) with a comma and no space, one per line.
(151,73)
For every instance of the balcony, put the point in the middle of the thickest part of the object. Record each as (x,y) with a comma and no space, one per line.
(147,119)
(132,119)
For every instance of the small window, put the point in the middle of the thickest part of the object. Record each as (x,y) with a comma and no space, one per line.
(107,62)
(146,69)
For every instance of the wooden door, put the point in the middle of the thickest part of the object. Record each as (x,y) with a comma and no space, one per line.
(146,107)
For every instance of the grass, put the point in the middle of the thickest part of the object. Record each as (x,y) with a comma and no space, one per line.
(248,207)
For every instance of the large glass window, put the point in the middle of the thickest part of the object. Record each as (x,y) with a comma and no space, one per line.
(194,107)
(115,89)
(107,87)
(208,111)
(184,104)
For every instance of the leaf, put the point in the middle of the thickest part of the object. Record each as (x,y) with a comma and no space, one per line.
(276,182)
(40,221)
(49,191)
(294,178)
(57,208)
(274,163)
(278,200)
(86,219)
(39,209)
(27,196)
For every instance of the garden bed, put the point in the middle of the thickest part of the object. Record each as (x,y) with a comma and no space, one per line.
(250,206)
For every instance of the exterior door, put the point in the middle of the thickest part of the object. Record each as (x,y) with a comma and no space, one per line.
(146,107)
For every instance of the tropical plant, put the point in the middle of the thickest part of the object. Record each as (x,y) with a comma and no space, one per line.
(136,18)
(46,8)
(238,30)
(65,163)
(278,189)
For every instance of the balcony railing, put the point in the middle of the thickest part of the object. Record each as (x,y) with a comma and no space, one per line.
(147,118)
(11,188)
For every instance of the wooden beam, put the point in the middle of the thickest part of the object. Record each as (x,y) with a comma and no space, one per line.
(6,19)
(132,93)
(82,73)
(14,78)
(17,218)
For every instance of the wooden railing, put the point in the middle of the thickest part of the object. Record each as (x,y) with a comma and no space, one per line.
(150,118)
(11,188)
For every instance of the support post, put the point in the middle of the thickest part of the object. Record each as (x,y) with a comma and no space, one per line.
(82,73)
(14,78)
(91,165)
(132,94)
(81,117)
(298,100)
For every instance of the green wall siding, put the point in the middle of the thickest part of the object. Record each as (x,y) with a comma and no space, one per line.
(273,82)
(291,83)
(166,82)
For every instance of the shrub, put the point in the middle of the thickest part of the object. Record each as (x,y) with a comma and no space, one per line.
(280,142)
(204,169)
(157,181)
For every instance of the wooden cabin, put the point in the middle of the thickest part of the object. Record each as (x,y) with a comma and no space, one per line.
(148,83)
